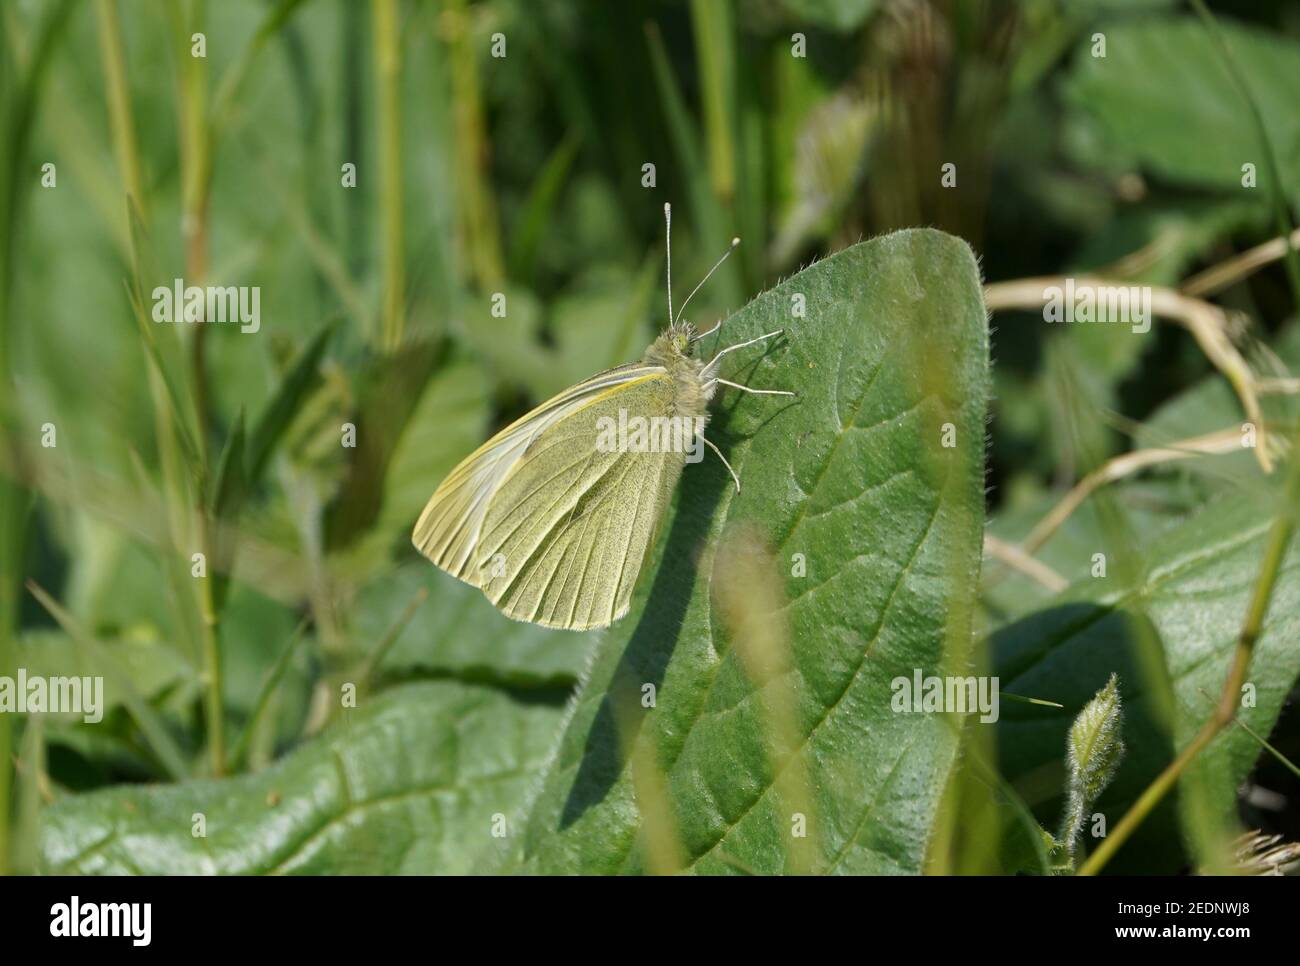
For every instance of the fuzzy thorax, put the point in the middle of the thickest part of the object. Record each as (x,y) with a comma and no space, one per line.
(672,350)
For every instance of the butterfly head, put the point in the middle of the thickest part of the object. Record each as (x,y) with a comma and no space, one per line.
(673,347)
(681,336)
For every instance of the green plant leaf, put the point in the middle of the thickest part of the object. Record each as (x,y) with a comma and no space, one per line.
(159,738)
(1191,590)
(850,481)
(539,208)
(457,631)
(407,785)
(1163,84)
(179,412)
(294,388)
(827,166)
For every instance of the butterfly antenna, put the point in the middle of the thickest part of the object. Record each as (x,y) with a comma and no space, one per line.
(716,266)
(668,243)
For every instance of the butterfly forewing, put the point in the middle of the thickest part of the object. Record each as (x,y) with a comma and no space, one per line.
(550,527)
(568,530)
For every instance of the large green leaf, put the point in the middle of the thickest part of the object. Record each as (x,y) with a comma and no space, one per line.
(1163,85)
(1190,590)
(411,784)
(851,479)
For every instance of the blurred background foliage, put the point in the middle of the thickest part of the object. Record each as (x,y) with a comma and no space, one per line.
(524,175)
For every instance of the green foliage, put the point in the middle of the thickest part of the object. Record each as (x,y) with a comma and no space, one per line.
(408,785)
(1163,84)
(1182,605)
(771,624)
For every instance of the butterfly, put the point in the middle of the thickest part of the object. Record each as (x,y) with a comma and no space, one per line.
(552,518)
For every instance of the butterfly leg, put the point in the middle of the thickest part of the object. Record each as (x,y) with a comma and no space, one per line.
(739,345)
(708,442)
(756,392)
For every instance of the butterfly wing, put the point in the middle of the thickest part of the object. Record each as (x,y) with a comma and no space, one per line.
(552,529)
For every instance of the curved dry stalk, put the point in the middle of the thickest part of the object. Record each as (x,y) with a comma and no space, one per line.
(1280,386)
(1016,558)
(1208,324)
(1126,464)
(1137,262)
(1218,277)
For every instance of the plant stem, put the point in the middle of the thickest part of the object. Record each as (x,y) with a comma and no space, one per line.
(1071,828)
(1208,324)
(196,168)
(478,214)
(214,708)
(196,171)
(120,119)
(352,141)
(19,94)
(388,68)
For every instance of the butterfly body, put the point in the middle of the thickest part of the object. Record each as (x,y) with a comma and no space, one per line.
(552,522)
